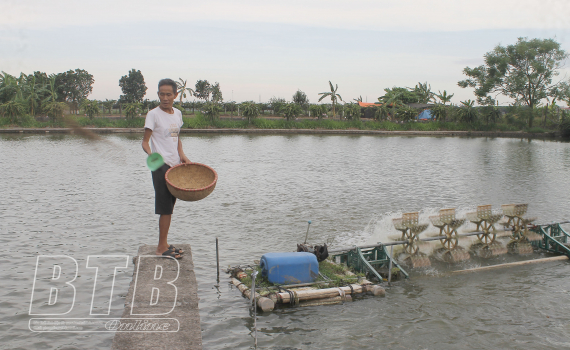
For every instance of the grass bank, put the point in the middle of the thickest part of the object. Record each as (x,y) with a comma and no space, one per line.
(198,121)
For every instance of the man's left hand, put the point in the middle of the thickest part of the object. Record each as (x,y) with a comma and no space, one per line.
(184,160)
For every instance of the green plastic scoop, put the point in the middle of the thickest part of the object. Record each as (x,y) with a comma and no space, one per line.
(154,161)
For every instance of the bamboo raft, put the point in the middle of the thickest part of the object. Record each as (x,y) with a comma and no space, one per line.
(361,269)
(302,295)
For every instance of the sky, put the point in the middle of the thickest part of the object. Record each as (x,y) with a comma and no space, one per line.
(262,49)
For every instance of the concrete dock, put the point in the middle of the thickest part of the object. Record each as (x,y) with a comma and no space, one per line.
(157,315)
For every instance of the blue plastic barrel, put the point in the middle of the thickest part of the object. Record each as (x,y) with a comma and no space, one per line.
(289,268)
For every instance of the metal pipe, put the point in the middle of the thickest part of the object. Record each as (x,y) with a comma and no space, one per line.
(380,244)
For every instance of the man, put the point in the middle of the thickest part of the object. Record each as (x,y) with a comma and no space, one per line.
(161,128)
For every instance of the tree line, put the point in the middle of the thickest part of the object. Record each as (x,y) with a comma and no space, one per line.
(524,72)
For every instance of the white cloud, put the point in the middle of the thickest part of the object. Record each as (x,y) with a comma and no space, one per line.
(411,15)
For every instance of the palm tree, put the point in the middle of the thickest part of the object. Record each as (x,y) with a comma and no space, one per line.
(291,111)
(55,110)
(423,91)
(8,87)
(108,104)
(13,109)
(439,112)
(250,110)
(467,111)
(353,111)
(212,111)
(182,89)
(33,91)
(392,100)
(444,98)
(381,112)
(132,109)
(52,93)
(91,108)
(333,95)
(216,93)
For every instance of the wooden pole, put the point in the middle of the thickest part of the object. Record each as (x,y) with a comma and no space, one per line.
(217,261)
(265,304)
(518,263)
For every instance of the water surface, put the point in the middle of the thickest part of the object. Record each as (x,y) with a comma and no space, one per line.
(64,195)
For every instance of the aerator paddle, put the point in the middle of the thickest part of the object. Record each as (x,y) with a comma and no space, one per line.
(154,161)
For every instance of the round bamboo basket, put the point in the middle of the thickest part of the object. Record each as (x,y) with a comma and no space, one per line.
(191,182)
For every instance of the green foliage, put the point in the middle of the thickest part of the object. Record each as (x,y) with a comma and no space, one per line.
(212,111)
(277,104)
(398,95)
(523,71)
(91,108)
(182,90)
(217,93)
(132,110)
(564,126)
(334,96)
(34,89)
(198,122)
(352,111)
(491,114)
(405,113)
(291,111)
(202,90)
(73,86)
(536,130)
(231,106)
(301,99)
(423,92)
(318,111)
(381,112)
(467,111)
(250,110)
(444,97)
(55,110)
(179,107)
(13,110)
(108,104)
(439,112)
(52,90)
(133,87)
(8,87)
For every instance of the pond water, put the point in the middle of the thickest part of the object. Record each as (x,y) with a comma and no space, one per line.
(62,195)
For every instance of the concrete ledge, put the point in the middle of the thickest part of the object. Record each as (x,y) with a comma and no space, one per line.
(511,134)
(174,306)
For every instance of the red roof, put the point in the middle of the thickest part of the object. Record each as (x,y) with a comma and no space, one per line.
(366,104)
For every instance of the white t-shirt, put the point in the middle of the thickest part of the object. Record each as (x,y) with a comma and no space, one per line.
(165,129)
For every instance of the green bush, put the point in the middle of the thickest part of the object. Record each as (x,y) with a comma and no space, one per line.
(536,130)
(564,127)
(197,122)
(26,121)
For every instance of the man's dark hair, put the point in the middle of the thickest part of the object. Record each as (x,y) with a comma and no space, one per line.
(168,82)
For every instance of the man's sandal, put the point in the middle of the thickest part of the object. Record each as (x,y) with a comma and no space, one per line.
(171,254)
(178,251)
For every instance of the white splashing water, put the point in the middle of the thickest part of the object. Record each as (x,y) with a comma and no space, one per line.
(381,229)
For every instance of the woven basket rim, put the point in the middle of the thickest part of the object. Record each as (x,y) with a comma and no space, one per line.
(192,189)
